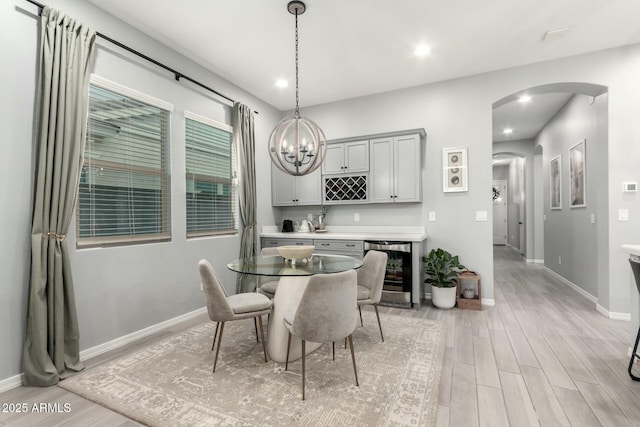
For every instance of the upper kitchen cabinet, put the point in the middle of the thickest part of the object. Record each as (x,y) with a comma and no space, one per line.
(396,173)
(346,158)
(289,190)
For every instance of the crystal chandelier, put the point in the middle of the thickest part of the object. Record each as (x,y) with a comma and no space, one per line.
(297,145)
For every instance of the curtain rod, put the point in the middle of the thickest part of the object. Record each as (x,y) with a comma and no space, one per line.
(177,74)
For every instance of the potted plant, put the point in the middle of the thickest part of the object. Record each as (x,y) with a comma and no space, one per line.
(442,270)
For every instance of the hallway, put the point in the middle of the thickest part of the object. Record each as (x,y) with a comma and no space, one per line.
(541,356)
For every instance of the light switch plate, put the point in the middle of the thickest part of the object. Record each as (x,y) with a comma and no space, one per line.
(481,215)
(623,214)
(593,218)
(432,216)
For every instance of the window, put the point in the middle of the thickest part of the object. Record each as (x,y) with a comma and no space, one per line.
(124,185)
(211,191)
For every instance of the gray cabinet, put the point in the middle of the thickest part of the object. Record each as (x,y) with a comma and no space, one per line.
(271,242)
(396,174)
(346,157)
(289,190)
(352,248)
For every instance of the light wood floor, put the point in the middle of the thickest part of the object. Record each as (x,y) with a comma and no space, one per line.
(541,356)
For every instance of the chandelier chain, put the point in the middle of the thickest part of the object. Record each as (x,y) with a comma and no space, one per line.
(297,88)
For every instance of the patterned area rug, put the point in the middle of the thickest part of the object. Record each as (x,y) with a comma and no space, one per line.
(170,383)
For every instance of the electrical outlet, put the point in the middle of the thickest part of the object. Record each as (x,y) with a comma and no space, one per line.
(593,218)
(432,216)
(356,217)
(559,260)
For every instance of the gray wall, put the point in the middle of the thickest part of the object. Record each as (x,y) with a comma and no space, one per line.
(118,290)
(458,112)
(569,233)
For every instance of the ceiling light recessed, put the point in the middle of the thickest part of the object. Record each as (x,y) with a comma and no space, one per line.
(422,50)
(282,83)
(524,99)
(507,131)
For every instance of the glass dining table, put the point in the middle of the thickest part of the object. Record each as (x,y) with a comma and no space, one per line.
(293,280)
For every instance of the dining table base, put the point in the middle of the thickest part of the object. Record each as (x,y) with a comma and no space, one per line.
(287,299)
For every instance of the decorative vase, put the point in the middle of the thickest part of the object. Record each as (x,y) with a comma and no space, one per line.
(443,297)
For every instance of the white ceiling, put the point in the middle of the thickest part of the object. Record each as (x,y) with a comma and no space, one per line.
(526,119)
(351,48)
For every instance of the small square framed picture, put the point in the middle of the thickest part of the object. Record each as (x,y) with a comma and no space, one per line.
(454,170)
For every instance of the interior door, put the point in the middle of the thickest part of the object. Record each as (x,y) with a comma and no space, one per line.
(499,212)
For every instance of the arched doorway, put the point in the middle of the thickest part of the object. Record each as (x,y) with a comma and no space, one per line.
(565,238)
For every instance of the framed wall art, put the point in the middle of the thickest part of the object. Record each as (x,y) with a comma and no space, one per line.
(577,175)
(555,190)
(454,170)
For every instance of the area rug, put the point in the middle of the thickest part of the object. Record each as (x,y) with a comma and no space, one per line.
(170,383)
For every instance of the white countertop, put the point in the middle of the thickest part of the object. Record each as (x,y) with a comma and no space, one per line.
(632,249)
(338,232)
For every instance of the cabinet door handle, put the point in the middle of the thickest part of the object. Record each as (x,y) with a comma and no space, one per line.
(273,243)
(351,245)
(299,243)
(325,244)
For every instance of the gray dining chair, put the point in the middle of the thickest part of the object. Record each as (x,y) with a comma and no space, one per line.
(224,308)
(326,313)
(370,281)
(268,288)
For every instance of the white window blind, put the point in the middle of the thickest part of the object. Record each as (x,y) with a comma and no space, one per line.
(211,189)
(124,185)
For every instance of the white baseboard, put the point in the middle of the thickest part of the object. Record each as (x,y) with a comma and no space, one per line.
(11,382)
(16,381)
(569,283)
(600,309)
(612,314)
(534,261)
(134,336)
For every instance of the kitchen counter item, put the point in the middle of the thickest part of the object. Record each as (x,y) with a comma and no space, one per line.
(287,226)
(297,252)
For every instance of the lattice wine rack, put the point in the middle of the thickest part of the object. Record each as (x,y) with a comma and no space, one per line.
(345,188)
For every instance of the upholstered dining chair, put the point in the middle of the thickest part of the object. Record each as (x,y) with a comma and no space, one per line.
(326,313)
(268,288)
(370,281)
(224,308)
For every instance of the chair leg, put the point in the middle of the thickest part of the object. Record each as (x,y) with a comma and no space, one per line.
(333,348)
(633,357)
(264,345)
(215,361)
(360,311)
(303,366)
(345,343)
(353,358)
(215,336)
(255,325)
(375,306)
(286,363)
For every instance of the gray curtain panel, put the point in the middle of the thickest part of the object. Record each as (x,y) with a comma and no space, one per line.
(51,347)
(244,140)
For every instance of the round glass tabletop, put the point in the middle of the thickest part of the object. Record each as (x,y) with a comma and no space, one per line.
(277,266)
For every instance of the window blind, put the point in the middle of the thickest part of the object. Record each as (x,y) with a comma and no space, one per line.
(211,190)
(124,184)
